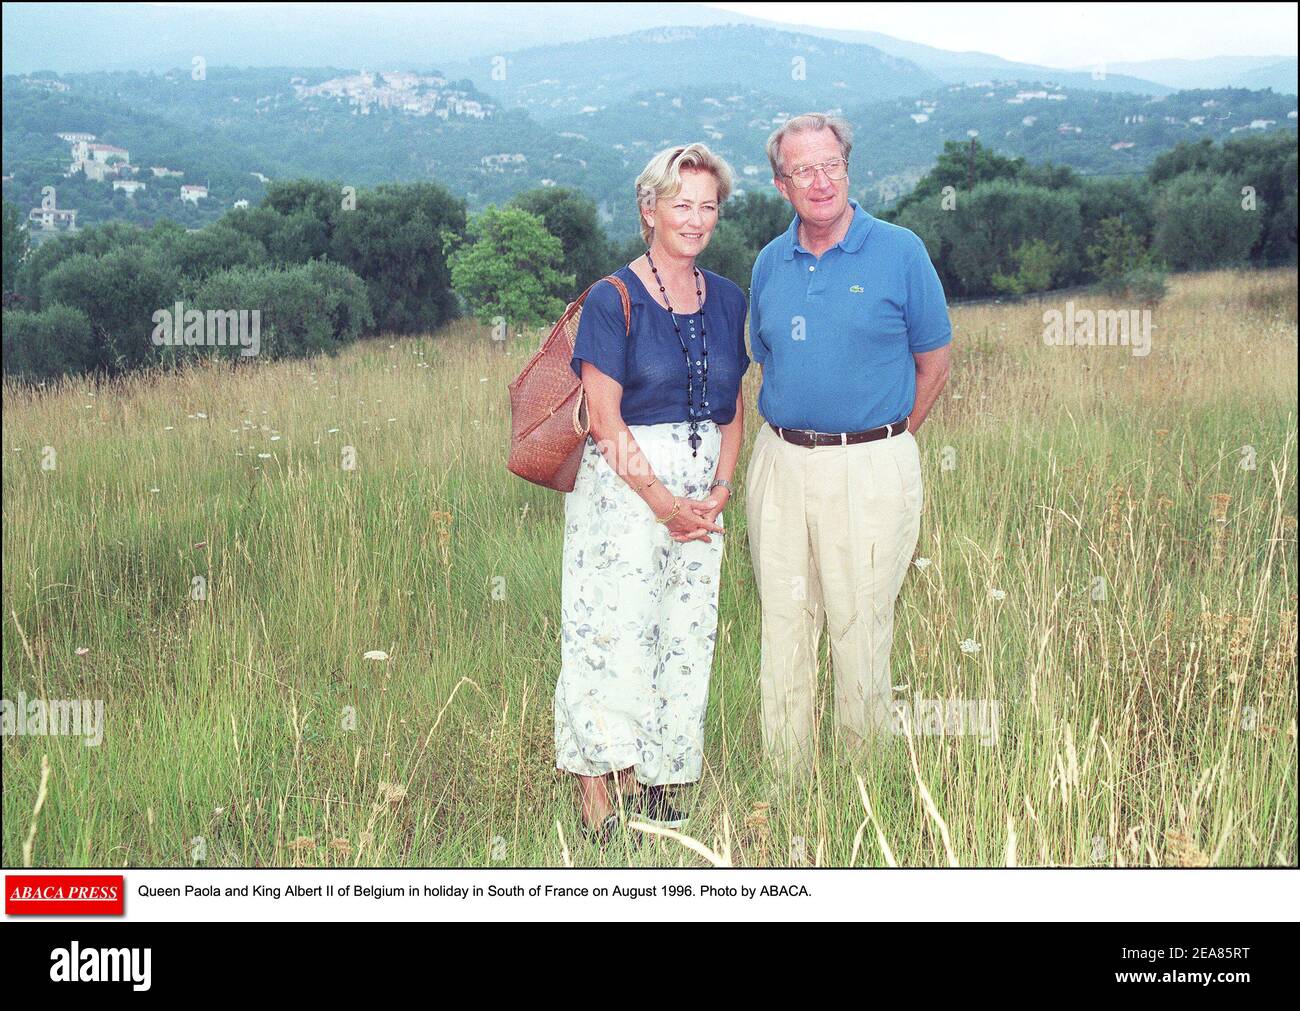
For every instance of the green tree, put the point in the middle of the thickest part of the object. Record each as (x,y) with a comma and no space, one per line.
(393,239)
(962,165)
(1201,222)
(571,218)
(1262,172)
(1049,176)
(15,245)
(314,198)
(305,308)
(509,267)
(758,217)
(44,345)
(1037,263)
(1264,168)
(94,241)
(300,237)
(980,236)
(119,293)
(728,254)
(206,250)
(1188,156)
(1127,200)
(1117,251)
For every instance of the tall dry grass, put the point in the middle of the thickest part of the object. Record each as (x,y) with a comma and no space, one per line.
(1116,533)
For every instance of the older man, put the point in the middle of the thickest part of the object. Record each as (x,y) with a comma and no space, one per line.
(849,323)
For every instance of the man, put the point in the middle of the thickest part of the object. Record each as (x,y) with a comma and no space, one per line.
(849,323)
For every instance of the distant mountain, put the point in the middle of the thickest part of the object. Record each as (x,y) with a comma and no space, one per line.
(1281,77)
(1095,133)
(974,67)
(79,37)
(358,130)
(807,70)
(1254,72)
(896,142)
(232,127)
(72,37)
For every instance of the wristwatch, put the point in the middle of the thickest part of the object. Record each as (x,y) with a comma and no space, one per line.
(725,483)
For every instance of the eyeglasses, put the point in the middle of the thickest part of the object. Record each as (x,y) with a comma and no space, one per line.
(835,169)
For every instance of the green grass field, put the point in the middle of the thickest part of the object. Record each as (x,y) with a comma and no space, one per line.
(200,558)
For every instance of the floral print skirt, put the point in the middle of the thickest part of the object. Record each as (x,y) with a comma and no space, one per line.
(639,617)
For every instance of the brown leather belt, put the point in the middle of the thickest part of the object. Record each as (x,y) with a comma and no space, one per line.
(809,439)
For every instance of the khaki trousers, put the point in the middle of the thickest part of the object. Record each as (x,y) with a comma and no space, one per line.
(831,533)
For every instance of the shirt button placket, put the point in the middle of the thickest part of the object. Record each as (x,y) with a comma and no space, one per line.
(815,283)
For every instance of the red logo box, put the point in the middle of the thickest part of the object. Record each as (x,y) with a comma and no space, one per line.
(64,894)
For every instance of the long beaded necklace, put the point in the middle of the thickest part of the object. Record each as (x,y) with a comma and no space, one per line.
(702,366)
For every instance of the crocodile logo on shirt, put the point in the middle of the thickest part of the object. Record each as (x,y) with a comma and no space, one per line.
(857,289)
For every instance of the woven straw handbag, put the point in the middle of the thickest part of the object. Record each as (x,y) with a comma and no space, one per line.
(548,406)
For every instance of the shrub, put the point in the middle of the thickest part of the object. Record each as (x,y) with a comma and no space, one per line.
(304,309)
(119,292)
(1201,222)
(1145,284)
(44,345)
(1037,263)
(1118,253)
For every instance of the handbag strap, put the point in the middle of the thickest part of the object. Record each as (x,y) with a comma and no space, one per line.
(578,303)
(623,297)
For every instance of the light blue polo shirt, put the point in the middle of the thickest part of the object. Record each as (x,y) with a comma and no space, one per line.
(836,335)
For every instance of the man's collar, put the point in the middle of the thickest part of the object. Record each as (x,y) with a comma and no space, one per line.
(852,241)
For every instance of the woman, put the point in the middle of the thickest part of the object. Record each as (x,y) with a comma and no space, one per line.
(643,524)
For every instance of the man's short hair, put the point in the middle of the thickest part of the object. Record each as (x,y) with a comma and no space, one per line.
(842,129)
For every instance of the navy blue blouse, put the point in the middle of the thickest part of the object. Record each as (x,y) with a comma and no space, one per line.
(650,365)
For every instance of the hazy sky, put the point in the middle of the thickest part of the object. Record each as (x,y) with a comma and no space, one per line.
(1061,34)
(1066,35)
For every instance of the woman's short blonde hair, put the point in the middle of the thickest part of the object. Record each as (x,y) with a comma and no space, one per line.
(661,179)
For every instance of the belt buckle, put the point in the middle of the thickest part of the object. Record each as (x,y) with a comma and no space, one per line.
(812,433)
(844,437)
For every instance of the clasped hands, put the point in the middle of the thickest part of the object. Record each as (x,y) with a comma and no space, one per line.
(697,518)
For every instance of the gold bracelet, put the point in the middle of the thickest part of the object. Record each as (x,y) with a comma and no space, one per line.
(646,485)
(677,504)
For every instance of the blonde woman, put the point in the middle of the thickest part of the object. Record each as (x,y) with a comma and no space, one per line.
(643,524)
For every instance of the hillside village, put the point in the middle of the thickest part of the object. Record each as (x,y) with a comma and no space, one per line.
(106,163)
(432,126)
(408,93)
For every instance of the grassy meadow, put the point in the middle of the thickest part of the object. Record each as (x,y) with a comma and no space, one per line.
(1116,533)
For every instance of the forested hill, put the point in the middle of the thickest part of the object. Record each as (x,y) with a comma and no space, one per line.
(230,129)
